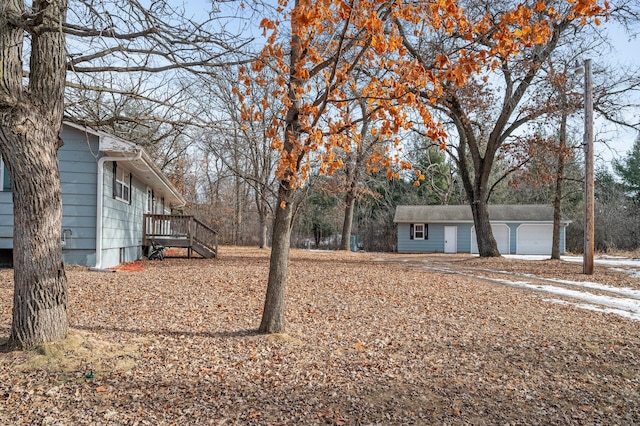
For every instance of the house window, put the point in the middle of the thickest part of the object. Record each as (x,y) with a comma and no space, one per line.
(121,184)
(5,183)
(150,200)
(418,231)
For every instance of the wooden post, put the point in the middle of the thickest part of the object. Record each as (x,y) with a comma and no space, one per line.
(144,229)
(588,170)
(191,230)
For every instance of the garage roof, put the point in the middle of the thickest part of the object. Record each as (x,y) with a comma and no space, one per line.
(498,213)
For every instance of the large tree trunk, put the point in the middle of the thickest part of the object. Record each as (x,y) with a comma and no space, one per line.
(262,228)
(30,123)
(353,179)
(350,203)
(557,197)
(557,217)
(476,191)
(487,246)
(237,214)
(263,213)
(557,208)
(273,313)
(40,290)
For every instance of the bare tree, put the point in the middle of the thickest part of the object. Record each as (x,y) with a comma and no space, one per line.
(492,108)
(105,37)
(242,144)
(356,161)
(30,121)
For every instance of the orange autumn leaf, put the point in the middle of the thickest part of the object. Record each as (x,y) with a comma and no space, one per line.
(315,71)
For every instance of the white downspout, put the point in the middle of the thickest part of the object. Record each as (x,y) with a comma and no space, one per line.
(99,204)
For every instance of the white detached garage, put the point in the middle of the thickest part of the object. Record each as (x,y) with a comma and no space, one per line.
(518,229)
(534,238)
(501,233)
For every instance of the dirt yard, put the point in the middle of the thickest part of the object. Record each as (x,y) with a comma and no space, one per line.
(372,339)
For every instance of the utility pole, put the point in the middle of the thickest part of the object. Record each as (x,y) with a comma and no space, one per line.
(588,170)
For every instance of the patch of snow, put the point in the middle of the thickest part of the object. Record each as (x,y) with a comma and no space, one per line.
(623,291)
(603,259)
(608,260)
(623,301)
(526,256)
(608,256)
(629,305)
(626,314)
(630,272)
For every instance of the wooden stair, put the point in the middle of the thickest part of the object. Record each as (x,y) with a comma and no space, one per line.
(180,231)
(204,251)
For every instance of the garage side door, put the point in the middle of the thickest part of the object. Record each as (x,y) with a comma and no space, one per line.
(500,233)
(534,239)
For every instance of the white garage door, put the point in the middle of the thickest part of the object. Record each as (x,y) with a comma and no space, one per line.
(500,233)
(534,239)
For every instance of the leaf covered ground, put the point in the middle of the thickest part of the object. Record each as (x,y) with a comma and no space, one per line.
(371,339)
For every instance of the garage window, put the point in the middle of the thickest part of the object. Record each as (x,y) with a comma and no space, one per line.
(418,231)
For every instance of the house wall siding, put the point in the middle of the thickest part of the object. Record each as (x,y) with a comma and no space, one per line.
(435,241)
(78,173)
(77,164)
(121,221)
(6,220)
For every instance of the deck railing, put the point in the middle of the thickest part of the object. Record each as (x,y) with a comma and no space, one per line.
(178,227)
(204,235)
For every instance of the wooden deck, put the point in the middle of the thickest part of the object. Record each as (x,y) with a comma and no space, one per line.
(180,231)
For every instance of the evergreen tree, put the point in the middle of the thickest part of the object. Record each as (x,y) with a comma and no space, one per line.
(628,170)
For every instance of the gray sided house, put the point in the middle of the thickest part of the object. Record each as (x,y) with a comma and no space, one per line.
(518,229)
(108,184)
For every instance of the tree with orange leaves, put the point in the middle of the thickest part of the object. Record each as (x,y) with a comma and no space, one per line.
(500,59)
(315,63)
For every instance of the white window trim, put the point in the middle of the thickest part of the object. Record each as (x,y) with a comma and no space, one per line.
(150,201)
(417,226)
(123,180)
(1,174)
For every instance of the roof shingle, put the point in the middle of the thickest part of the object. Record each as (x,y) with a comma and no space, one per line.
(501,213)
